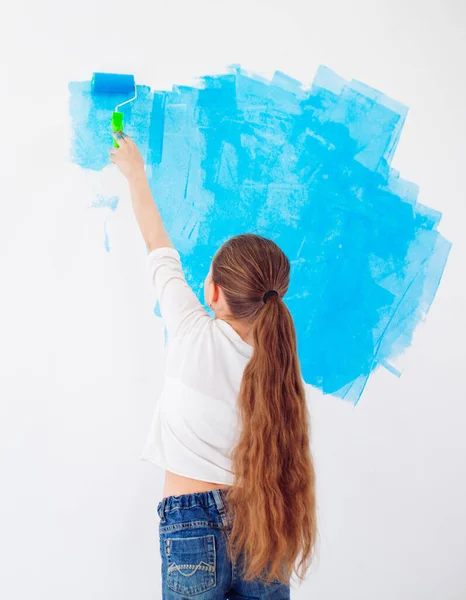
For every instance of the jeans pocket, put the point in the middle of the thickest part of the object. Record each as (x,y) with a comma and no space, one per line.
(191,564)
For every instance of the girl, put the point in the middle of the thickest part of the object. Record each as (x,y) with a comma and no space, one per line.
(231,426)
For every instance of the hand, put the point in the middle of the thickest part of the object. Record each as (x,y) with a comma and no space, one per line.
(127,157)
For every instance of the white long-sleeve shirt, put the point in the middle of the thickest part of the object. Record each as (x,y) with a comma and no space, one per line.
(195,425)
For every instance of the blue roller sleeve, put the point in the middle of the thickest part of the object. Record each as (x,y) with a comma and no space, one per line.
(112,83)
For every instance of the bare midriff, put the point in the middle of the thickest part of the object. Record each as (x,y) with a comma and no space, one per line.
(176,485)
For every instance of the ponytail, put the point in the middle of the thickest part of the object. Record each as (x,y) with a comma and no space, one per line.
(273,496)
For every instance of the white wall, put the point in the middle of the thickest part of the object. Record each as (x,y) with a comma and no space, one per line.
(81,353)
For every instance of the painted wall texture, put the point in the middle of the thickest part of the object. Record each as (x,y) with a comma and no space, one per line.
(309,168)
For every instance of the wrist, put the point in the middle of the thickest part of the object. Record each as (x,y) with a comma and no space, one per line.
(137,176)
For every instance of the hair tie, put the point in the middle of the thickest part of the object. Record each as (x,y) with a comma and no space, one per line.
(267,295)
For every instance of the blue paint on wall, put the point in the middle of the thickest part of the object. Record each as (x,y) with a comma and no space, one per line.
(110,202)
(102,201)
(310,169)
(91,116)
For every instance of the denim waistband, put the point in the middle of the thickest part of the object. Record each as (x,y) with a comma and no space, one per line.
(215,498)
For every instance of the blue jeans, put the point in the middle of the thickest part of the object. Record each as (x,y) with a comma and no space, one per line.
(193,532)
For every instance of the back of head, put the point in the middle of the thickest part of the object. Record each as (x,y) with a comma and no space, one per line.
(273,499)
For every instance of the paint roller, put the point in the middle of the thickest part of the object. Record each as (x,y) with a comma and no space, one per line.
(115,84)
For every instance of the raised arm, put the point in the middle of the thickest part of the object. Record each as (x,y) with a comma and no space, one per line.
(179,306)
(130,162)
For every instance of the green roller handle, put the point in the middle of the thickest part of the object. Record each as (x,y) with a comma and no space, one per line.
(117,125)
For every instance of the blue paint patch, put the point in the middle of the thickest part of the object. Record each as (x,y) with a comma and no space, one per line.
(391,368)
(110,202)
(106,239)
(91,114)
(157,312)
(310,169)
(102,201)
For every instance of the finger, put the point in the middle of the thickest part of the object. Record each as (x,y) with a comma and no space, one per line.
(114,151)
(119,136)
(126,137)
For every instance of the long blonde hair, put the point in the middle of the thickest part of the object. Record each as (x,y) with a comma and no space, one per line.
(273,496)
